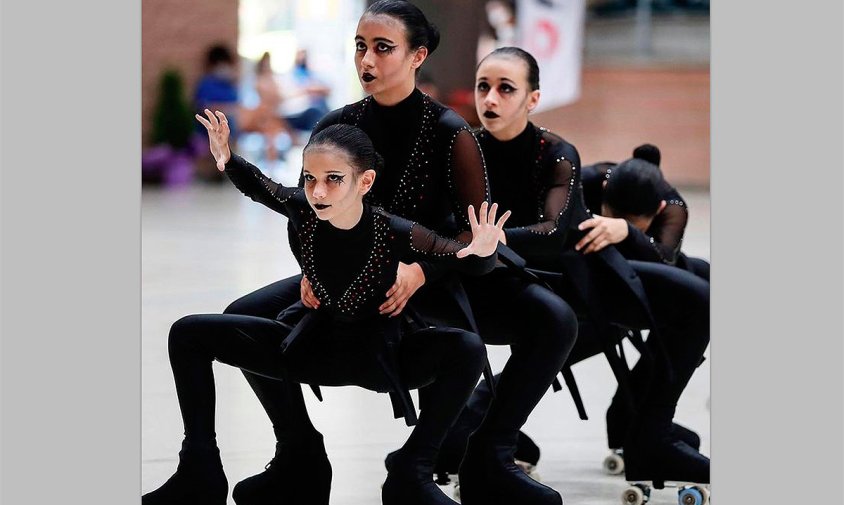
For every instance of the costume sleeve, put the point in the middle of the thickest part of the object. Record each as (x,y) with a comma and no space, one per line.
(257,186)
(423,245)
(467,179)
(562,182)
(663,239)
(467,183)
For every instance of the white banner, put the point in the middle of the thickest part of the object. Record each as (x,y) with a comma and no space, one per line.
(552,31)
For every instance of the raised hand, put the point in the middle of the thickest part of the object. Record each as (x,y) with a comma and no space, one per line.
(486,232)
(218,136)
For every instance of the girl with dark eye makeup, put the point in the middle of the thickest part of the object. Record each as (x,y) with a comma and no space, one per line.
(350,250)
(536,175)
(433,168)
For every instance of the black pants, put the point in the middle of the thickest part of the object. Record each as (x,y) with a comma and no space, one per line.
(449,361)
(697,266)
(679,301)
(541,329)
(538,325)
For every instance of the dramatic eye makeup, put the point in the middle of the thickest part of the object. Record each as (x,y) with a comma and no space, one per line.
(381,47)
(505,87)
(337,178)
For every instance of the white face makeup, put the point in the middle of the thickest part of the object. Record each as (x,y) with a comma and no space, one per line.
(385,64)
(503,97)
(332,188)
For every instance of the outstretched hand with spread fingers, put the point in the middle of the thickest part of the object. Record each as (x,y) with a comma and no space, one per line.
(485,231)
(218,136)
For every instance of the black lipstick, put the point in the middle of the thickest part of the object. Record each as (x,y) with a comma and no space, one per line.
(490,115)
(367,77)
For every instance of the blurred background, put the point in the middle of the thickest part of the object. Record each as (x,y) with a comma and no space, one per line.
(615,74)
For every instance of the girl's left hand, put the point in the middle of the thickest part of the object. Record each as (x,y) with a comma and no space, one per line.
(605,231)
(486,232)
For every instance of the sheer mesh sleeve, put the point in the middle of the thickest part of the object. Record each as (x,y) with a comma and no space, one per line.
(561,182)
(257,186)
(425,245)
(663,239)
(467,179)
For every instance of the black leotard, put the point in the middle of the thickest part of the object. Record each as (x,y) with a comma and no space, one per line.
(350,270)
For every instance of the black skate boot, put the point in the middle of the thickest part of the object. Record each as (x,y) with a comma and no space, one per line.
(199,478)
(409,482)
(489,476)
(651,453)
(527,455)
(618,421)
(298,474)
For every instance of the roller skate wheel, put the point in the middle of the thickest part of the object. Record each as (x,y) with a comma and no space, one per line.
(614,464)
(634,495)
(705,493)
(690,496)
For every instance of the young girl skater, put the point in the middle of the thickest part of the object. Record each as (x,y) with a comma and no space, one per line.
(433,169)
(535,174)
(350,250)
(638,211)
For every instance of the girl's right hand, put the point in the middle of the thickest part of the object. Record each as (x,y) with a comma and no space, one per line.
(218,136)
(485,231)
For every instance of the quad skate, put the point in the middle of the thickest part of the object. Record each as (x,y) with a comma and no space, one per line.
(292,476)
(617,419)
(448,462)
(688,493)
(668,464)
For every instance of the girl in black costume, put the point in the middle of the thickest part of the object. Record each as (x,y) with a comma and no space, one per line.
(638,211)
(349,251)
(535,174)
(433,169)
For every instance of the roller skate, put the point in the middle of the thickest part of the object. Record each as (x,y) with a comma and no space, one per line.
(409,482)
(297,474)
(489,476)
(666,464)
(451,454)
(199,478)
(617,425)
(527,456)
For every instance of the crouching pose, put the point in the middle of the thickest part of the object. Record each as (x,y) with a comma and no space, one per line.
(536,175)
(349,252)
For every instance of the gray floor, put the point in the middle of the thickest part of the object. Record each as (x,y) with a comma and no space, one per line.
(203,246)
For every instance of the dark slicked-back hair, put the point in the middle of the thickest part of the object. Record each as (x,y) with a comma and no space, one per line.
(530,61)
(420,31)
(633,188)
(353,142)
(648,152)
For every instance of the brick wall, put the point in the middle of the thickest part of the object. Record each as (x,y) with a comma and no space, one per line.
(621,108)
(176,34)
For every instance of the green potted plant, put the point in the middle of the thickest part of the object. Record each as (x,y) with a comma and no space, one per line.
(171,158)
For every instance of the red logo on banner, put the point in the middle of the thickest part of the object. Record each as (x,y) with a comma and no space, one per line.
(544,39)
